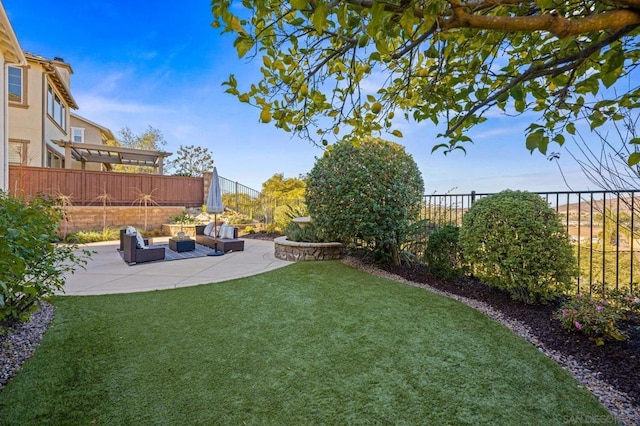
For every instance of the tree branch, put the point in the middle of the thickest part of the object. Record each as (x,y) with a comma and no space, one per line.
(555,24)
(534,71)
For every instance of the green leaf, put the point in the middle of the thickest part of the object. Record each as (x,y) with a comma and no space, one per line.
(243,45)
(439,146)
(397,133)
(319,18)
(590,85)
(633,159)
(516,93)
(609,78)
(545,4)
(635,141)
(571,128)
(299,4)
(597,119)
(535,140)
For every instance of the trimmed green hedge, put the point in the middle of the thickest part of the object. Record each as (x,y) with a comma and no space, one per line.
(368,193)
(515,241)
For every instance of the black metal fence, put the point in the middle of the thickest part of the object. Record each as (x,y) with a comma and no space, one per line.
(603,226)
(256,206)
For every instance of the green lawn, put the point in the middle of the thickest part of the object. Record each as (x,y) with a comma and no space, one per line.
(312,343)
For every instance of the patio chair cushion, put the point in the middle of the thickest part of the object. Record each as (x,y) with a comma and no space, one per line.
(140,243)
(208,230)
(212,227)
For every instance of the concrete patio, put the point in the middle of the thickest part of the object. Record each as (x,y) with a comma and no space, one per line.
(107,273)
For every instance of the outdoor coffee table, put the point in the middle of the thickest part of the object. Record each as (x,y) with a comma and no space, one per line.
(180,245)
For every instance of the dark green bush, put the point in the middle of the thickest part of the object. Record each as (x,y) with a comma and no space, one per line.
(513,240)
(443,256)
(307,233)
(368,193)
(32,267)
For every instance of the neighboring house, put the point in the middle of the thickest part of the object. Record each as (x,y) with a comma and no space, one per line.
(40,101)
(10,54)
(43,132)
(84,131)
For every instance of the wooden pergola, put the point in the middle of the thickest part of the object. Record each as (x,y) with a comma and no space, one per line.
(109,155)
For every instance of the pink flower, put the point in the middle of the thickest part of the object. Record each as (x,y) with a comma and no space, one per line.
(598,308)
(578,296)
(578,325)
(565,312)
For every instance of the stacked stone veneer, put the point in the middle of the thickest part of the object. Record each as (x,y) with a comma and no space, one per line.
(88,218)
(294,251)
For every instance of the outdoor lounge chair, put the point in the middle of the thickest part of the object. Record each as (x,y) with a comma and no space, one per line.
(123,231)
(223,244)
(133,254)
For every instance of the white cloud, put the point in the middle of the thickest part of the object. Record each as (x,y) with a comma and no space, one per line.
(96,104)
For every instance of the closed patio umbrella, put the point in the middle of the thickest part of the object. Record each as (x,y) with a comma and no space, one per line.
(214,205)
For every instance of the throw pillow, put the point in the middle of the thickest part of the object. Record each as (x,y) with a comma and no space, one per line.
(130,230)
(140,241)
(226,231)
(208,230)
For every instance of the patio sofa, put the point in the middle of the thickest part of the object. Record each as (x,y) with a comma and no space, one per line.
(132,254)
(223,244)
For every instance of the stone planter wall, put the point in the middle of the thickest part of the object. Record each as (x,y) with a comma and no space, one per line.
(172,229)
(294,251)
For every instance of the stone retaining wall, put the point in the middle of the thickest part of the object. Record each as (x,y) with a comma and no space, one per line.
(294,251)
(88,218)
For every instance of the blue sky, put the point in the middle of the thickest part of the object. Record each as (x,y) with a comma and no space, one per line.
(139,63)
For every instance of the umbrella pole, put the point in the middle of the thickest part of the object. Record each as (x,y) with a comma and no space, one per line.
(215,251)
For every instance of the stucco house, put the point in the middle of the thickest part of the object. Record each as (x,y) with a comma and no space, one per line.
(40,101)
(44,132)
(10,54)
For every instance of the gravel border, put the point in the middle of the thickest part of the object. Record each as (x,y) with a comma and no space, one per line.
(21,341)
(618,403)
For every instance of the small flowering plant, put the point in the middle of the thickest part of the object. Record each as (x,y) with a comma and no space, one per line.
(597,318)
(629,305)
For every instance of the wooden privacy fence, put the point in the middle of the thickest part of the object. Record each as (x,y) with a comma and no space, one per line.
(85,187)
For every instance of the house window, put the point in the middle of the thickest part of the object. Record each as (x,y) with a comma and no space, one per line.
(18,152)
(77,134)
(56,109)
(16,90)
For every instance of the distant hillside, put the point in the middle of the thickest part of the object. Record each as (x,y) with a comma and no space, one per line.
(625,205)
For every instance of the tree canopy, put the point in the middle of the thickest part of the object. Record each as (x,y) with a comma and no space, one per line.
(277,186)
(192,161)
(151,139)
(351,68)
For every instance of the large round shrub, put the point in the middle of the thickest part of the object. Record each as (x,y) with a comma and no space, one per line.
(515,241)
(370,192)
